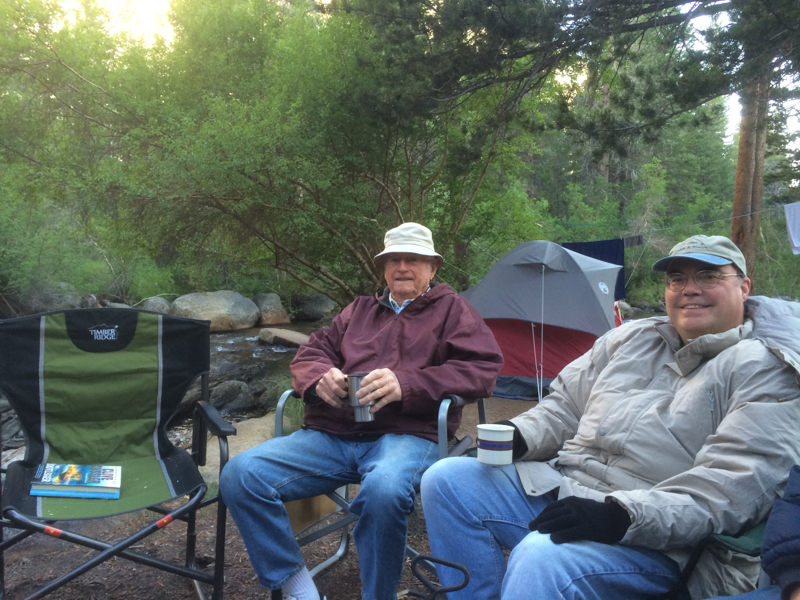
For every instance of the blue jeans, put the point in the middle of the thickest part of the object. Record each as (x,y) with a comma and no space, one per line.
(771,592)
(473,511)
(256,483)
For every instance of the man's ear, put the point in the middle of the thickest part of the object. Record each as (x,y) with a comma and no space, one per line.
(746,284)
(435,264)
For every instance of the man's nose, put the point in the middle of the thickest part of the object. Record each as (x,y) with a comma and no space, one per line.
(691,286)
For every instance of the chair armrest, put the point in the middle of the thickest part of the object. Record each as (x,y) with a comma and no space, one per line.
(444,408)
(206,418)
(451,400)
(749,542)
(460,400)
(448,402)
(213,420)
(290,393)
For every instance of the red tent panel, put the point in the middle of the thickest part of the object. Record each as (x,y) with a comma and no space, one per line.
(516,340)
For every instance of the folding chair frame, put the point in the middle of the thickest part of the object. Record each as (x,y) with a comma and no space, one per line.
(206,419)
(312,533)
(748,543)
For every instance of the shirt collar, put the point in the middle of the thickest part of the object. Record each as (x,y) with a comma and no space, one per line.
(398,307)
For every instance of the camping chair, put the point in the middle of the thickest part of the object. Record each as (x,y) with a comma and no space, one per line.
(749,543)
(313,532)
(99,387)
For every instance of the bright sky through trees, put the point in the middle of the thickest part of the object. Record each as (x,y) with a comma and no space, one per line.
(148,18)
(141,18)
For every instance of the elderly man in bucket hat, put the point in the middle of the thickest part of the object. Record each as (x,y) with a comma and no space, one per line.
(667,430)
(417,341)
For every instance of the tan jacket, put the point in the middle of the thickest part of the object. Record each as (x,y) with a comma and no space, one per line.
(689,439)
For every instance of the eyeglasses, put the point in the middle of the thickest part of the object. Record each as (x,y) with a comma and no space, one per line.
(706,280)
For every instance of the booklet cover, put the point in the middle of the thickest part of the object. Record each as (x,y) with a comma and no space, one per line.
(77,481)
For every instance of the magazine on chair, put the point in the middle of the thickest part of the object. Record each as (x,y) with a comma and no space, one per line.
(77,481)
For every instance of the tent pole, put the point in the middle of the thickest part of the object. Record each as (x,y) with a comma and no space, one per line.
(540,369)
(535,356)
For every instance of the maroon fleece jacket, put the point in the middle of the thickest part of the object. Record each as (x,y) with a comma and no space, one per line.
(437,345)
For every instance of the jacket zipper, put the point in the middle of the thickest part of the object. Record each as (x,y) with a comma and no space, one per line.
(386,341)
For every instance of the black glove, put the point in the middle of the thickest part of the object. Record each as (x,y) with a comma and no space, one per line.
(520,447)
(571,519)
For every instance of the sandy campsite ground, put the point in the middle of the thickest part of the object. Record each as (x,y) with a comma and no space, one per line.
(40,559)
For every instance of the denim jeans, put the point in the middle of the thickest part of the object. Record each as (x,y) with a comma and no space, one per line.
(255,483)
(473,511)
(771,592)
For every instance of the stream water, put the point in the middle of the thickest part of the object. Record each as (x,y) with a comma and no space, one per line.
(240,355)
(242,347)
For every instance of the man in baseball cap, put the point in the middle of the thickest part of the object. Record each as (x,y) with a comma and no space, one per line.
(667,430)
(706,285)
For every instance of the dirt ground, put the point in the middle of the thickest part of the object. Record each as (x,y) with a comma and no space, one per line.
(40,559)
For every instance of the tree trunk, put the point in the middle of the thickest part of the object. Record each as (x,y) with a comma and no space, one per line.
(604,168)
(747,195)
(461,255)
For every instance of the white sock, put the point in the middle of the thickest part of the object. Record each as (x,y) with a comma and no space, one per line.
(301,586)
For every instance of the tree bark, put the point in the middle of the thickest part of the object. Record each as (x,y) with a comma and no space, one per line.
(461,256)
(604,168)
(748,192)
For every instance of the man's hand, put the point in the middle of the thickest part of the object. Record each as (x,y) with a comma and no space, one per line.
(381,387)
(332,388)
(572,519)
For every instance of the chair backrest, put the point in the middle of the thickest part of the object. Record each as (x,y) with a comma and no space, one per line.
(92,384)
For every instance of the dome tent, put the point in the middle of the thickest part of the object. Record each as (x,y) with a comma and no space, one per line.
(546,306)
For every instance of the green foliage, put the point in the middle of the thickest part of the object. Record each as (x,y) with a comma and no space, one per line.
(293,415)
(148,279)
(771,277)
(268,147)
(39,241)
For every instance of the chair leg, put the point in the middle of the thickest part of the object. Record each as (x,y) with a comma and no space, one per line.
(219,549)
(106,550)
(2,564)
(412,554)
(191,539)
(219,552)
(341,551)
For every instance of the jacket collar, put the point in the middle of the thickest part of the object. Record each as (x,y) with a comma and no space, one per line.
(777,325)
(437,290)
(690,356)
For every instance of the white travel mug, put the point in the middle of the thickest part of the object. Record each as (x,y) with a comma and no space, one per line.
(495,444)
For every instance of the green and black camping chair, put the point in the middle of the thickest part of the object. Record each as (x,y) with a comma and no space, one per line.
(99,387)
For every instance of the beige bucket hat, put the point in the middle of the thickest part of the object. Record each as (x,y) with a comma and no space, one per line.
(410,238)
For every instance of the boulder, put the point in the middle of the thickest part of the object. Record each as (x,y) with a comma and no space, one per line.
(272,310)
(315,308)
(47,297)
(226,310)
(14,455)
(157,304)
(12,435)
(284,337)
(116,305)
(231,396)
